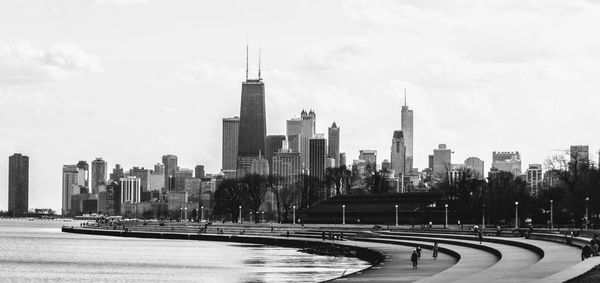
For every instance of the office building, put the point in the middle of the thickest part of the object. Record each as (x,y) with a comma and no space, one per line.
(293,128)
(442,162)
(170,163)
(231,127)
(130,189)
(199,171)
(144,176)
(407,130)
(318,153)
(180,175)
(507,162)
(398,158)
(18,184)
(98,173)
(386,165)
(579,155)
(307,132)
(370,157)
(73,183)
(534,179)
(287,167)
(343,159)
(159,168)
(259,166)
(333,149)
(84,170)
(253,125)
(117,173)
(475,165)
(274,144)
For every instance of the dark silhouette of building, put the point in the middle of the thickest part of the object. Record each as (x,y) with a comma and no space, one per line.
(253,125)
(170,163)
(317,148)
(84,167)
(334,144)
(117,173)
(98,173)
(231,128)
(274,144)
(18,184)
(199,171)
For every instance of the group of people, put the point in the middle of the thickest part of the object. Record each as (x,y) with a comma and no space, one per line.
(332,236)
(592,249)
(416,254)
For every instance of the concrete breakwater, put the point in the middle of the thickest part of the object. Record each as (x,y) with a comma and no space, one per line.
(372,256)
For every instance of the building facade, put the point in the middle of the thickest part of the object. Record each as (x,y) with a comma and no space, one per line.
(287,167)
(442,162)
(293,128)
(407,130)
(318,153)
(130,189)
(398,154)
(99,172)
(307,132)
(370,157)
(476,166)
(231,127)
(18,184)
(170,163)
(333,139)
(274,144)
(253,125)
(507,162)
(534,179)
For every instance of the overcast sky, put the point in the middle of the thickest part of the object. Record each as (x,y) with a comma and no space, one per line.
(131,80)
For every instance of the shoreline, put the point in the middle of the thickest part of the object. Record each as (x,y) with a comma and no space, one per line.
(311,246)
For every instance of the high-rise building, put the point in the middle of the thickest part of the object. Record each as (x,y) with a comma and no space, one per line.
(507,162)
(117,173)
(343,159)
(18,184)
(398,158)
(334,143)
(534,179)
(579,156)
(386,165)
(130,189)
(180,175)
(159,168)
(70,174)
(442,162)
(287,165)
(84,170)
(170,163)
(317,151)
(274,144)
(231,127)
(307,132)
(407,130)
(476,166)
(253,124)
(199,171)
(370,157)
(259,166)
(144,176)
(293,128)
(98,173)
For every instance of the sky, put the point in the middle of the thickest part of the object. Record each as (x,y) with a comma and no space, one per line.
(132,80)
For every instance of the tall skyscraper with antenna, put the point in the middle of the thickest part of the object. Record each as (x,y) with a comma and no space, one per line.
(407,130)
(253,125)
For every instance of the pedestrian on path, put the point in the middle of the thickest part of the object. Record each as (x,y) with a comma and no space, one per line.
(480,237)
(435,250)
(414,258)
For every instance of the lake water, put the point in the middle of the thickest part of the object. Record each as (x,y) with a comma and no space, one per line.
(37,251)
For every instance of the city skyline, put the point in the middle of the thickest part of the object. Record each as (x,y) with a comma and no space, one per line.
(474,104)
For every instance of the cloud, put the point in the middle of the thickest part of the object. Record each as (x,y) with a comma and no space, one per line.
(22,64)
(331,55)
(120,2)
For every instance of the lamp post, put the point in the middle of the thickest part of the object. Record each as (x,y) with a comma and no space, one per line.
(446,222)
(263,215)
(240,220)
(185,212)
(180,212)
(516,214)
(396,214)
(483,217)
(202,213)
(343,214)
(587,199)
(251,219)
(551,214)
(294,214)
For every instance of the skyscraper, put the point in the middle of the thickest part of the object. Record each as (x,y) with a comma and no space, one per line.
(199,171)
(317,152)
(507,162)
(407,130)
(287,166)
(84,171)
(307,131)
(18,184)
(253,124)
(231,127)
(274,144)
(130,189)
(170,163)
(579,156)
(70,186)
(334,143)
(533,177)
(343,159)
(117,173)
(370,158)
(98,174)
(442,162)
(398,158)
(293,128)
(476,166)
(144,176)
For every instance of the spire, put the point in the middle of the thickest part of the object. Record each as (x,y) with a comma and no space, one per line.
(259,64)
(246,61)
(404,96)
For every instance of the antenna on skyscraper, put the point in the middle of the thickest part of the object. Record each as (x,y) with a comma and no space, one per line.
(404,96)
(259,64)
(246,60)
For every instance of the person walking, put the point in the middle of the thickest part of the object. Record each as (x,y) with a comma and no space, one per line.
(480,236)
(414,258)
(436,248)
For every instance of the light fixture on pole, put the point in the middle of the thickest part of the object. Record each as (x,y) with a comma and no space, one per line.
(587,199)
(240,220)
(185,211)
(483,217)
(202,213)
(343,214)
(396,214)
(551,214)
(446,222)
(516,214)
(294,214)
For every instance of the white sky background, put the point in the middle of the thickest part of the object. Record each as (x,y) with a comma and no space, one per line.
(131,80)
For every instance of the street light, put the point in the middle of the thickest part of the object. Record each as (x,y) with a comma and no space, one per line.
(294,214)
(202,213)
(240,220)
(263,216)
(586,212)
(446,222)
(483,217)
(516,214)
(551,214)
(343,214)
(180,212)
(185,211)
(396,214)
